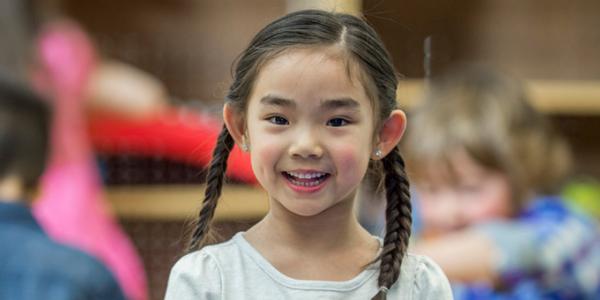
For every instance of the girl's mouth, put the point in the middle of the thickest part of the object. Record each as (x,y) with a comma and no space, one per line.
(306,181)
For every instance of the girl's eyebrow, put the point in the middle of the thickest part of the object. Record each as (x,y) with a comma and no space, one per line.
(343,103)
(327,104)
(273,100)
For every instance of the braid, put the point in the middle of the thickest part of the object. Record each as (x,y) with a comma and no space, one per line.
(398,221)
(214,183)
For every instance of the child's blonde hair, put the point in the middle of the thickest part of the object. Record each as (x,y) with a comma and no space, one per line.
(364,51)
(487,115)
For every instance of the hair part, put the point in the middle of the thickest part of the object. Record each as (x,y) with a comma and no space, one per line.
(363,50)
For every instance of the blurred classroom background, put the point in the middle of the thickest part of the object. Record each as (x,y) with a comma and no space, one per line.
(189,45)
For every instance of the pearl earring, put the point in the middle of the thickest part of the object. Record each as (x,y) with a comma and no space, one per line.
(378,153)
(244,145)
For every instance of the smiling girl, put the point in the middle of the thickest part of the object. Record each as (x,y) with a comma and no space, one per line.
(313,101)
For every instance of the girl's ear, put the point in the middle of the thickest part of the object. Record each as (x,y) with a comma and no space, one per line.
(235,124)
(390,134)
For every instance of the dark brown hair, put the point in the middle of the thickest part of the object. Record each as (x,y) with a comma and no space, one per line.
(24,123)
(364,48)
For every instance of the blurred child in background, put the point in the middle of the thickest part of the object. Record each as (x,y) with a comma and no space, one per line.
(58,58)
(486,167)
(32,265)
(71,205)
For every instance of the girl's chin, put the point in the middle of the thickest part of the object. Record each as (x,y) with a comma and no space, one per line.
(304,209)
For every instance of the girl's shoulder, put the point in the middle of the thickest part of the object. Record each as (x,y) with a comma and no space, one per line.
(421,275)
(199,274)
(209,257)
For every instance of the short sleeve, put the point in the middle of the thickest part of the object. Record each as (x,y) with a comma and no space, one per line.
(430,282)
(194,276)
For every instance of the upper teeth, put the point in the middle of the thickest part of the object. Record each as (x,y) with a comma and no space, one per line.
(307,175)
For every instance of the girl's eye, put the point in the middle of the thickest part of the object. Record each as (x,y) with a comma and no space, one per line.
(337,122)
(278,120)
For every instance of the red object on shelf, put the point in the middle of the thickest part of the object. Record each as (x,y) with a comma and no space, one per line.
(178,134)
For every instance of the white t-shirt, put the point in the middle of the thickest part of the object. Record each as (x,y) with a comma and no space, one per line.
(235,270)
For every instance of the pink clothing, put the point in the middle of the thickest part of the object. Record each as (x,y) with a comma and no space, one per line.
(71,207)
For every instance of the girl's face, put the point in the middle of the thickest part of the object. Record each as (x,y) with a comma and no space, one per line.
(476,195)
(310,130)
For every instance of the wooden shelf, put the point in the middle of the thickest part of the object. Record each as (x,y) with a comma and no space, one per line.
(576,97)
(178,202)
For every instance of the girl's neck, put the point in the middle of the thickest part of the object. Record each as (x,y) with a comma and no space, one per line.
(336,227)
(328,246)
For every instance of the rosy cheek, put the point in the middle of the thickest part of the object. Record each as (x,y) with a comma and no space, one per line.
(495,200)
(432,218)
(500,209)
(489,209)
(349,163)
(427,211)
(433,215)
(263,160)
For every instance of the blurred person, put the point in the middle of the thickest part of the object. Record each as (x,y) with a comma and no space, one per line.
(56,56)
(487,168)
(33,266)
(71,206)
(119,105)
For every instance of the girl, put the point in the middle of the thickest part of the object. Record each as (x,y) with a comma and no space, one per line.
(485,177)
(313,101)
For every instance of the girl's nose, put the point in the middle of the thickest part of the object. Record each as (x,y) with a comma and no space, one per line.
(306,144)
